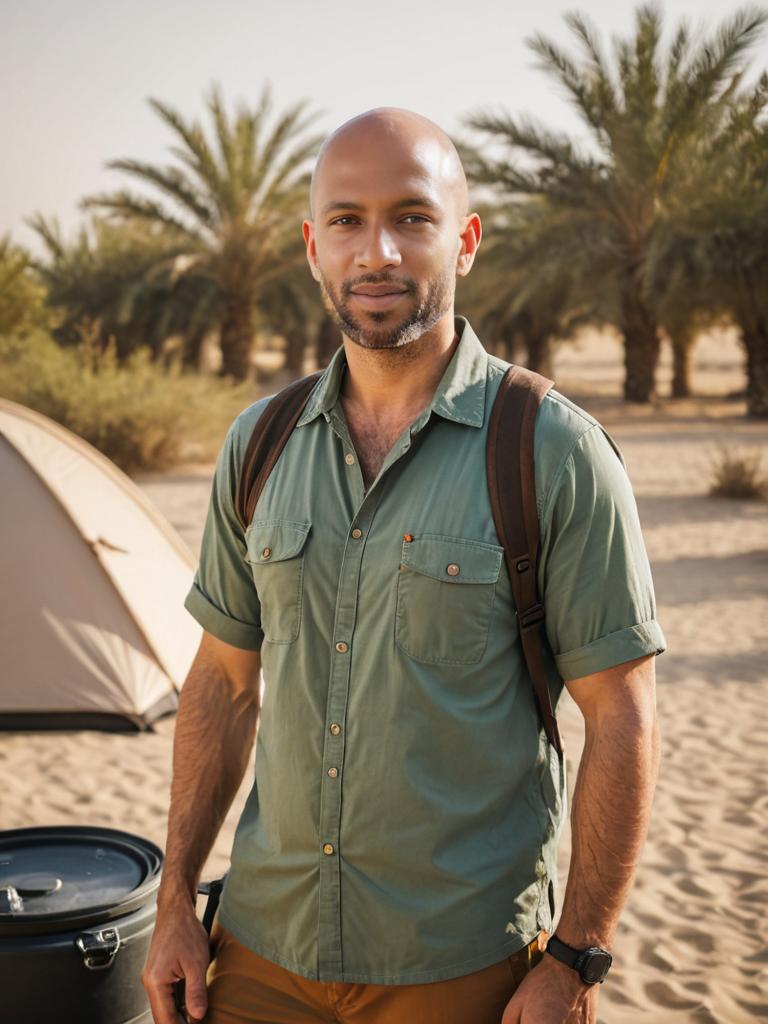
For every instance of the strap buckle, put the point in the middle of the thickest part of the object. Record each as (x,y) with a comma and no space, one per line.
(531,617)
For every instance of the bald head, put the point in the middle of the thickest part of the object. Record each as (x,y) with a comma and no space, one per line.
(401,140)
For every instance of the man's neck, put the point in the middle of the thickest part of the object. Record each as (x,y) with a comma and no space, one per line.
(394,382)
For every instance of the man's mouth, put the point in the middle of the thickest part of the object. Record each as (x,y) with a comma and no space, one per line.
(377,296)
(378,289)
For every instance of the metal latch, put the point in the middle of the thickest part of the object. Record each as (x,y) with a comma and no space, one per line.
(10,900)
(98,948)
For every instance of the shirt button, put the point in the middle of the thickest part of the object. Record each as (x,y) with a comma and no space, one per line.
(266,552)
(335,728)
(452,569)
(341,647)
(333,772)
(357,534)
(328,849)
(349,458)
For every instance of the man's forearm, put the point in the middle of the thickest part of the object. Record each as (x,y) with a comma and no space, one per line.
(215,729)
(609,821)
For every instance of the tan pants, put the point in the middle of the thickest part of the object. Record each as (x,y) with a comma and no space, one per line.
(245,988)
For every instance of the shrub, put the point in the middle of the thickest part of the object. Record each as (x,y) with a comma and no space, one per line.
(737,475)
(138,413)
(22,295)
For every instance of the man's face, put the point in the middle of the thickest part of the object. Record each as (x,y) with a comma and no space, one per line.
(385,240)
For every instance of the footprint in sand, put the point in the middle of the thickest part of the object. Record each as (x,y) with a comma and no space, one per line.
(653,955)
(699,940)
(662,994)
(692,888)
(652,921)
(754,1010)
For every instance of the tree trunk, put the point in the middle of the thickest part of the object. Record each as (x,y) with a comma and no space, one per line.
(295,344)
(755,341)
(327,341)
(540,354)
(641,349)
(236,339)
(500,345)
(682,347)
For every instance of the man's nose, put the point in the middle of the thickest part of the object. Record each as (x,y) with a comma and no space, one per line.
(378,250)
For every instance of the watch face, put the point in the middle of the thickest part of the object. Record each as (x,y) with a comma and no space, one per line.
(595,966)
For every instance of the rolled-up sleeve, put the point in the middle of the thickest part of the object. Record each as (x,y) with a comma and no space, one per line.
(223,597)
(594,573)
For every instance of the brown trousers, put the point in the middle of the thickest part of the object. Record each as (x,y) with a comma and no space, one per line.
(245,988)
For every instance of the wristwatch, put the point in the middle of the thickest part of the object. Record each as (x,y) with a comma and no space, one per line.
(592,964)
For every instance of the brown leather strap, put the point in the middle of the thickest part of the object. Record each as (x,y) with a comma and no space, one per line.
(512,490)
(267,441)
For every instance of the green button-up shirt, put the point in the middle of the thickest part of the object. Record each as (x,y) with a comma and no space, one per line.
(406,806)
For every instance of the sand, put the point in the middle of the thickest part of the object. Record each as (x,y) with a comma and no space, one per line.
(693,944)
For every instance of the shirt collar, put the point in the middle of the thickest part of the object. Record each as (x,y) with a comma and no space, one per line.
(460,395)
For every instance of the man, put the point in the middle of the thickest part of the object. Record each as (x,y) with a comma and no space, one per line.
(395,861)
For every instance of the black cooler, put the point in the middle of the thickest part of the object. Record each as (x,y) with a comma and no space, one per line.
(77,909)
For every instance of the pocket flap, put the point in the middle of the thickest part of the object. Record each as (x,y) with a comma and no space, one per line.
(453,559)
(275,541)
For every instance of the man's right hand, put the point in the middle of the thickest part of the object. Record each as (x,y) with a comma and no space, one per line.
(179,950)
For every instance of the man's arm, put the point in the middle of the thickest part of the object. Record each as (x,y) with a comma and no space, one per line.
(214,735)
(612,798)
(609,821)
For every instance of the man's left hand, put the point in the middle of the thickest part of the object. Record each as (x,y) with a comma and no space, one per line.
(552,993)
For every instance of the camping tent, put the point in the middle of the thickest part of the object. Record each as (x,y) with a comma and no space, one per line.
(92,626)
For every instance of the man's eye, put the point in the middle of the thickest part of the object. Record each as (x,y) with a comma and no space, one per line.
(416,217)
(342,220)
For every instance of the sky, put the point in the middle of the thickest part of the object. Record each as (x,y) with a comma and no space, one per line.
(75,76)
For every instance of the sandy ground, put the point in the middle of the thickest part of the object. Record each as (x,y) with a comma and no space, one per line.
(692,943)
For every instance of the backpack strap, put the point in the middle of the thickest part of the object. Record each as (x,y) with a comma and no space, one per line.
(269,437)
(511,487)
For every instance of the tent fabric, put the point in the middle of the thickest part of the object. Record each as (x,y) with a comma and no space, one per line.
(94,581)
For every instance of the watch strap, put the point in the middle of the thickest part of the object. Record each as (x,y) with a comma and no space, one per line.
(591,964)
(563,952)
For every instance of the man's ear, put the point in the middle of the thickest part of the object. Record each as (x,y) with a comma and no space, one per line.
(308,231)
(470,240)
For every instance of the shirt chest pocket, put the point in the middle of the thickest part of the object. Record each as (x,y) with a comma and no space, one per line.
(275,553)
(445,592)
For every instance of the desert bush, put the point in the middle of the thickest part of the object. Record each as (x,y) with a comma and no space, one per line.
(22,295)
(138,413)
(737,474)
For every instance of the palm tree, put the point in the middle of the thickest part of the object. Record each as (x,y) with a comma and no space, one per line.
(290,307)
(528,296)
(644,112)
(233,202)
(712,245)
(118,281)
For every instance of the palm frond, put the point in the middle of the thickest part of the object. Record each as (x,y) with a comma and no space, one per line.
(230,174)
(290,125)
(555,61)
(130,205)
(197,155)
(173,183)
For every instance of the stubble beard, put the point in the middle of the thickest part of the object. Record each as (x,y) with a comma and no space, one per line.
(425,315)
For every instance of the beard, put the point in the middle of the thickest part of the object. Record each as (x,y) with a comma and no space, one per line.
(377,333)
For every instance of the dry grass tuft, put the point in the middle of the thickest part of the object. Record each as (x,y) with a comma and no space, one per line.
(737,474)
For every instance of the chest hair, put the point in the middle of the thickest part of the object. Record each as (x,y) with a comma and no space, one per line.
(373,442)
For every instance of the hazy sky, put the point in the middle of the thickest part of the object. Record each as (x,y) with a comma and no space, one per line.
(75,75)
